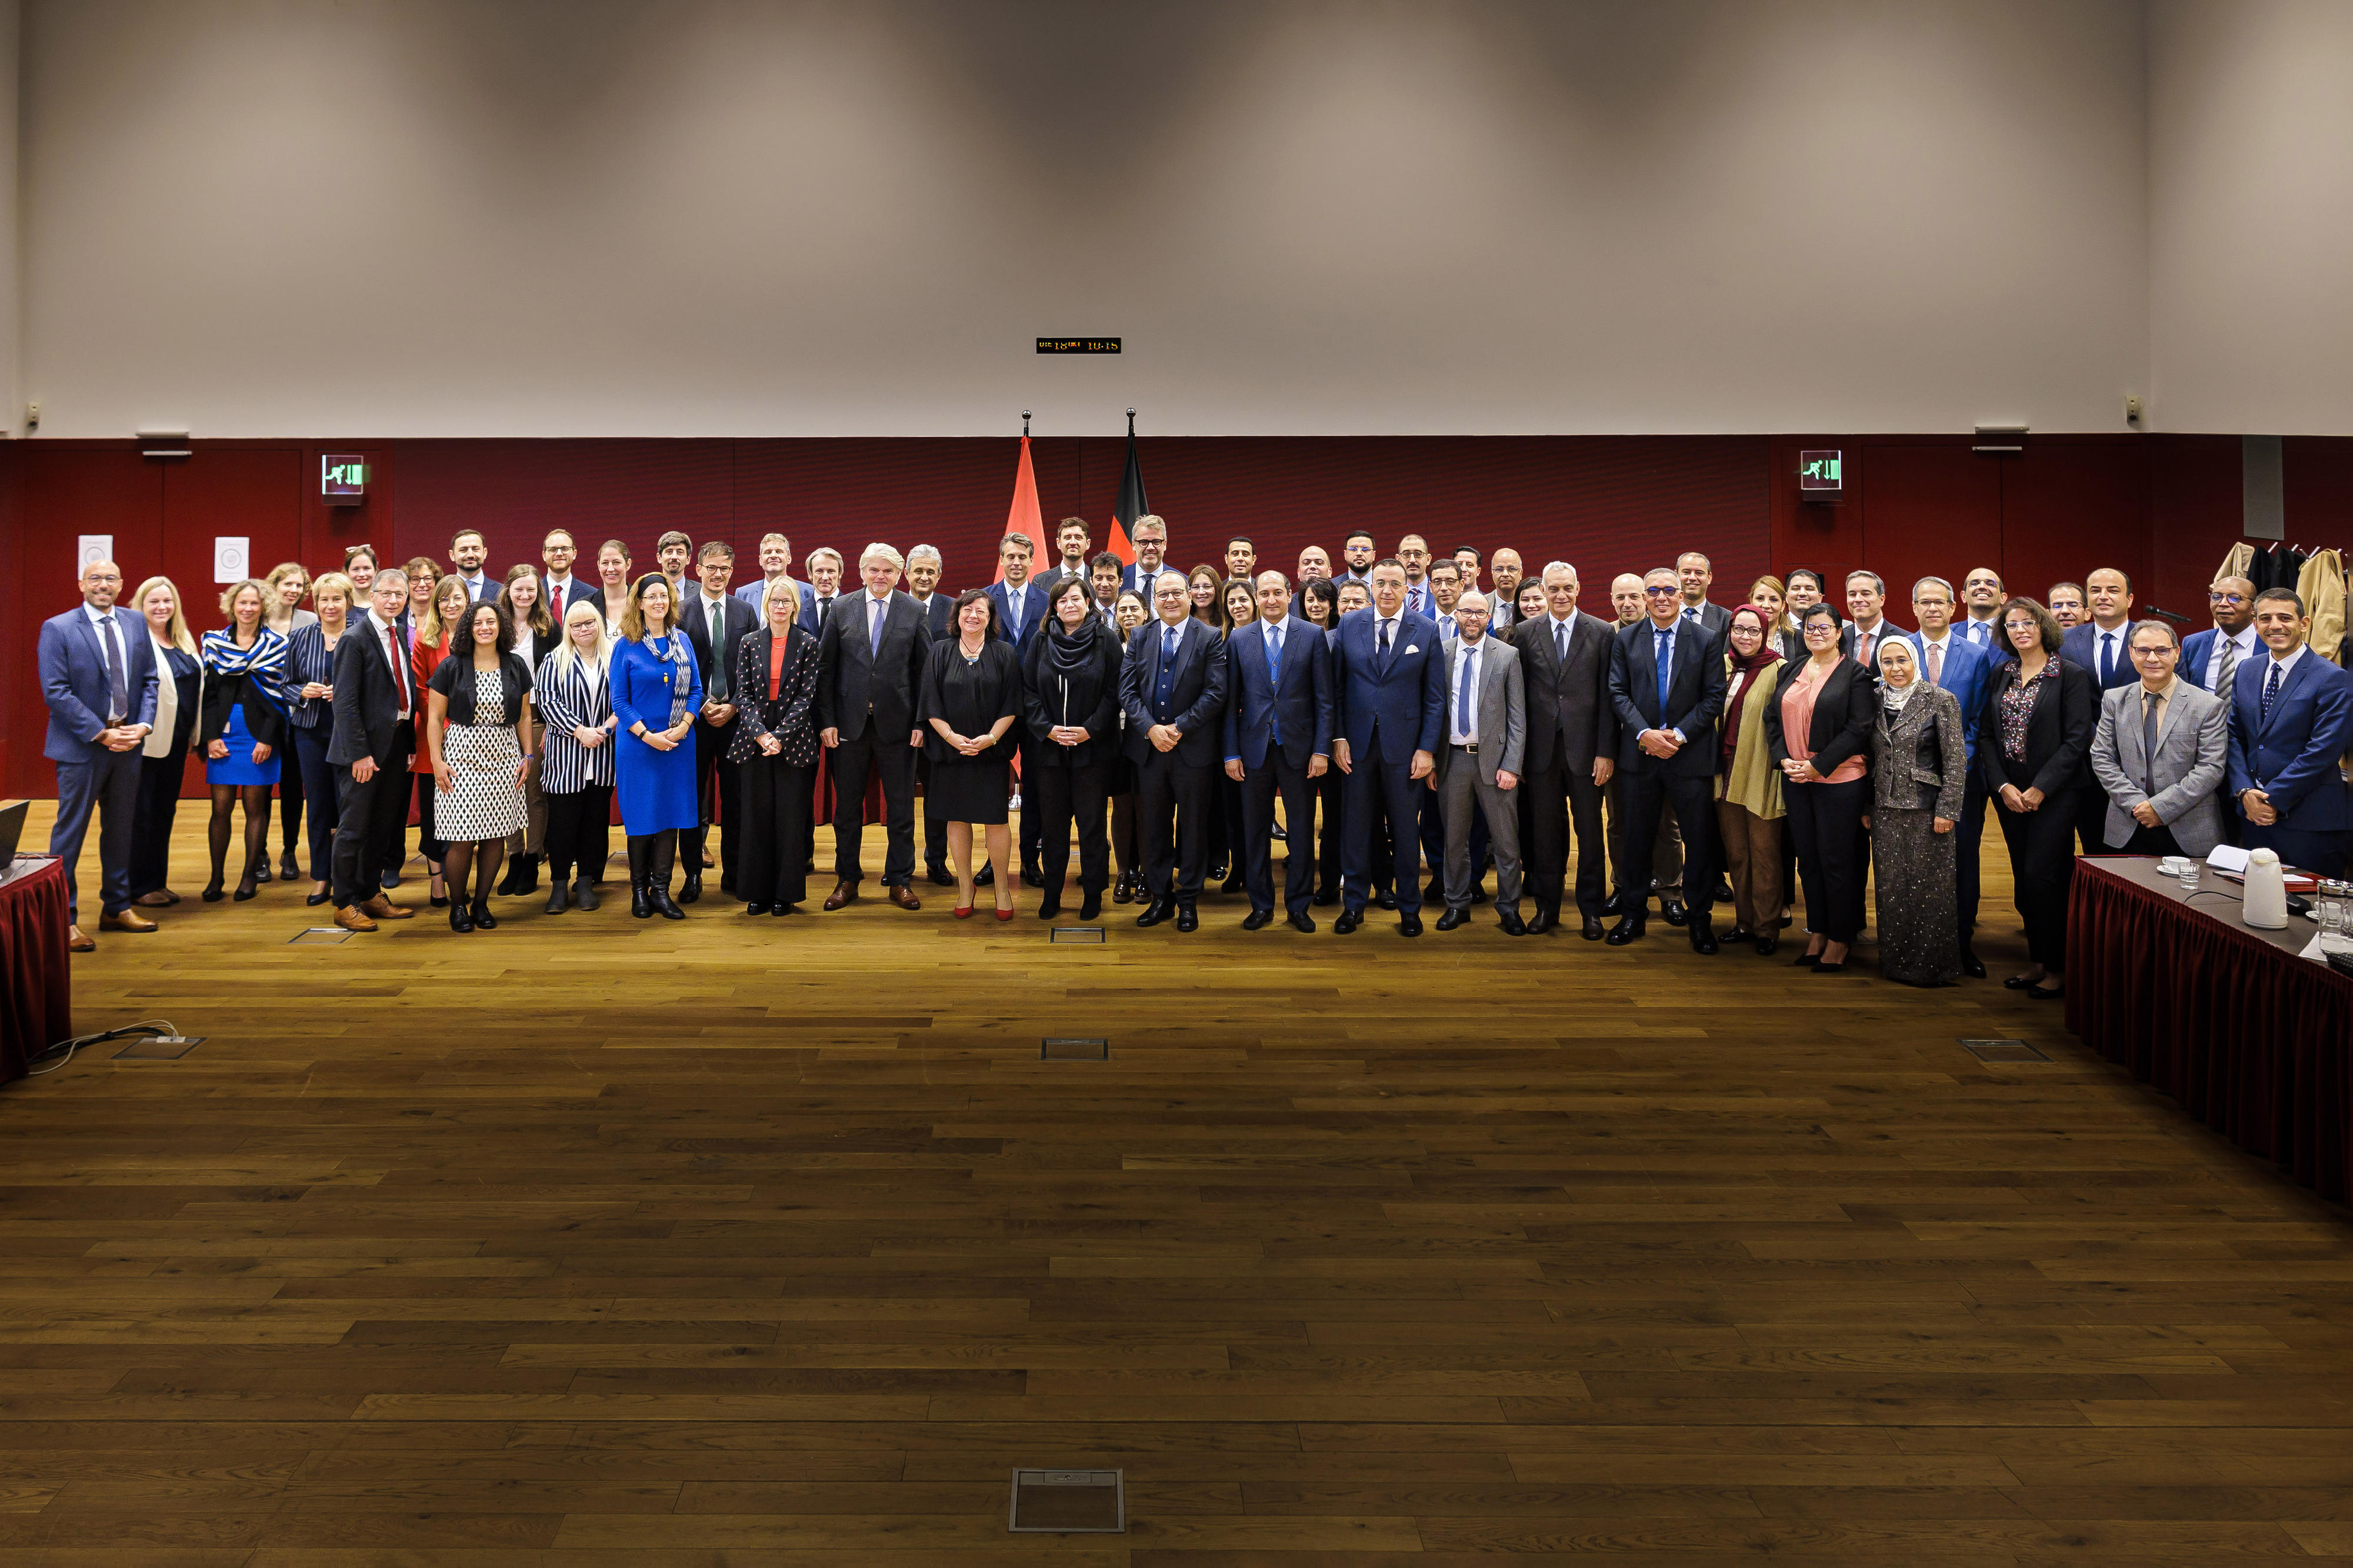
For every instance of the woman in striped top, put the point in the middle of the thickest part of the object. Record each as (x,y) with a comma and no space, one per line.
(309,694)
(244,723)
(576,768)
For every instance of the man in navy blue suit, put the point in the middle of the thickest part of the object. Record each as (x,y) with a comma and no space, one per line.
(1173,690)
(1150,537)
(1666,682)
(97,675)
(1950,660)
(2102,645)
(1278,741)
(1390,682)
(2291,719)
(1020,616)
(2210,661)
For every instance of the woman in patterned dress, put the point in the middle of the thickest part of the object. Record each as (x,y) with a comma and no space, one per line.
(1919,769)
(478,732)
(776,746)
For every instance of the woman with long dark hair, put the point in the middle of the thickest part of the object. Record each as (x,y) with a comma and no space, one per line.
(1071,702)
(1820,730)
(2040,717)
(535,635)
(971,695)
(657,691)
(479,733)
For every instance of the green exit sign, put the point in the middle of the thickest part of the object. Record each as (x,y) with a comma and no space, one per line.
(1820,471)
(343,478)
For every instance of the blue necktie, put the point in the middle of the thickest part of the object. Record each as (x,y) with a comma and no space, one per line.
(1383,663)
(1462,700)
(2108,657)
(1275,681)
(2271,690)
(1664,652)
(880,611)
(118,691)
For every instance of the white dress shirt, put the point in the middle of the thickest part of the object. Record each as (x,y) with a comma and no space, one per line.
(2244,641)
(1466,677)
(390,643)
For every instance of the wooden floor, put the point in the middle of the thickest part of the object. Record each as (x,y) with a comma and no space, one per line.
(595,1241)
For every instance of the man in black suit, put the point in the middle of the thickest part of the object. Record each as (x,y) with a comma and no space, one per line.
(1072,540)
(1666,682)
(375,735)
(715,621)
(1173,690)
(869,667)
(1694,574)
(1278,741)
(1572,750)
(925,565)
(468,552)
(1021,620)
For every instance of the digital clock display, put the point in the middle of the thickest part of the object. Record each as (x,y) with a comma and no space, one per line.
(1078,345)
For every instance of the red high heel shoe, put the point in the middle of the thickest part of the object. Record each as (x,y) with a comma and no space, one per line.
(1002,915)
(964,911)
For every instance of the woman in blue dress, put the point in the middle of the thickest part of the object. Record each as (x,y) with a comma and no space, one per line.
(243,726)
(657,690)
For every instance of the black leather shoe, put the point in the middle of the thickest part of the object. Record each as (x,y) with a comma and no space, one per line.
(1616,906)
(391,877)
(1768,944)
(640,905)
(1301,920)
(460,919)
(1972,965)
(1033,875)
(1722,893)
(1703,935)
(1091,906)
(1512,924)
(1157,911)
(1477,894)
(315,899)
(512,882)
(1278,835)
(756,909)
(1348,921)
(1672,911)
(1626,930)
(1593,928)
(1453,919)
(1187,918)
(692,889)
(1408,924)
(1258,919)
(483,919)
(1122,891)
(2019,983)
(942,877)
(1048,907)
(1325,900)
(1387,899)
(1805,961)
(260,872)
(583,894)
(986,878)
(658,894)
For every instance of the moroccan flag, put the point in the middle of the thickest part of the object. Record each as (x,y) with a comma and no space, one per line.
(1023,516)
(1130,504)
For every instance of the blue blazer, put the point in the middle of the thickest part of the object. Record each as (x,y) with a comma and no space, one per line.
(1301,706)
(752,592)
(1033,616)
(2198,649)
(1968,669)
(1409,699)
(1197,692)
(810,623)
(73,680)
(1132,577)
(1696,686)
(2081,647)
(2294,757)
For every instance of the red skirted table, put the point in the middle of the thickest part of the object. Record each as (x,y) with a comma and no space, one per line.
(36,971)
(2251,1039)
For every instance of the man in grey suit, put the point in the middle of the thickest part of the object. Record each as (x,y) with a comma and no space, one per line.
(2162,746)
(1485,732)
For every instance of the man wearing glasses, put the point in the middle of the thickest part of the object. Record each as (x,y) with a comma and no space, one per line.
(2210,659)
(1666,682)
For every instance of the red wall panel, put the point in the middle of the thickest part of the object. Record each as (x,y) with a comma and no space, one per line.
(1930,510)
(2069,506)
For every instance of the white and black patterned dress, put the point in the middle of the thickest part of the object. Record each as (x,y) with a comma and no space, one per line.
(482,800)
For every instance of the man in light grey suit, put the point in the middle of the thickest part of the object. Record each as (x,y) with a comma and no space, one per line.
(1485,732)
(2161,749)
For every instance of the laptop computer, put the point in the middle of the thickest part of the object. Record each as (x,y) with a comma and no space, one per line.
(12,828)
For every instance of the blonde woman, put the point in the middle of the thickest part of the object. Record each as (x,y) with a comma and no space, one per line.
(243,725)
(309,698)
(535,635)
(575,765)
(288,584)
(179,685)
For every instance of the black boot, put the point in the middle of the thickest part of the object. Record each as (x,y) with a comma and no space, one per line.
(555,898)
(665,855)
(511,884)
(640,905)
(690,888)
(1091,906)
(530,874)
(583,894)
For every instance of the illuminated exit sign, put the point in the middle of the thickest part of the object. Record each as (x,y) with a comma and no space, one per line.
(1819,472)
(343,478)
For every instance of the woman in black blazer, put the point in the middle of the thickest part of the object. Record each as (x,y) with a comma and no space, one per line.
(1069,699)
(776,746)
(1817,730)
(2033,748)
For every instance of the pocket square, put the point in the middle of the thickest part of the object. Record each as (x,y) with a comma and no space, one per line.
(1413,647)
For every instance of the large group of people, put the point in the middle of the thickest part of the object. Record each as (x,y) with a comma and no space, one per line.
(1393,718)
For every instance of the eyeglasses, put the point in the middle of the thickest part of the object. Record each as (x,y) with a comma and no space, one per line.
(2226,598)
(1660,593)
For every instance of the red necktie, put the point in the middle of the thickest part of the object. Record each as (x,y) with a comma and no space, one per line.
(556,601)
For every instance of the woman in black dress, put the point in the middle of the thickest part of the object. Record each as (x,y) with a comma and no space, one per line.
(776,747)
(971,692)
(2032,746)
(1069,694)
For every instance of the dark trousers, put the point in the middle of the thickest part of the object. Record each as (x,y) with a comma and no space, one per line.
(1553,800)
(2307,851)
(1330,796)
(1826,821)
(716,780)
(1259,786)
(1061,795)
(2091,807)
(773,823)
(1969,834)
(293,785)
(108,784)
(360,828)
(1379,784)
(151,821)
(1033,822)
(319,788)
(577,828)
(935,826)
(1172,804)
(2042,866)
(2152,841)
(1646,796)
(1233,843)
(854,761)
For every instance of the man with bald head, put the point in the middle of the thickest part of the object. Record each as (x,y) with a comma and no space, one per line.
(98,675)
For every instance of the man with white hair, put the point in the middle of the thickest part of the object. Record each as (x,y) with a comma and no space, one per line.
(1571,752)
(97,672)
(924,566)
(870,661)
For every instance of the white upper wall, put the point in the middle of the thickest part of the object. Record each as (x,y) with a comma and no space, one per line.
(460,217)
(2251,195)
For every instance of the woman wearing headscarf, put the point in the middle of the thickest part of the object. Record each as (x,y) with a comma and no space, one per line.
(657,690)
(776,747)
(1919,770)
(243,725)
(1748,809)
(1070,696)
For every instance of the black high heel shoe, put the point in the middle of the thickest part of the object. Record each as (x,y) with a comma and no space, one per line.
(260,872)
(245,891)
(211,893)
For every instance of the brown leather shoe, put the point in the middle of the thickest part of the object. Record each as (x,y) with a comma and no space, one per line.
(125,919)
(351,917)
(843,893)
(384,909)
(161,899)
(79,941)
(904,897)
